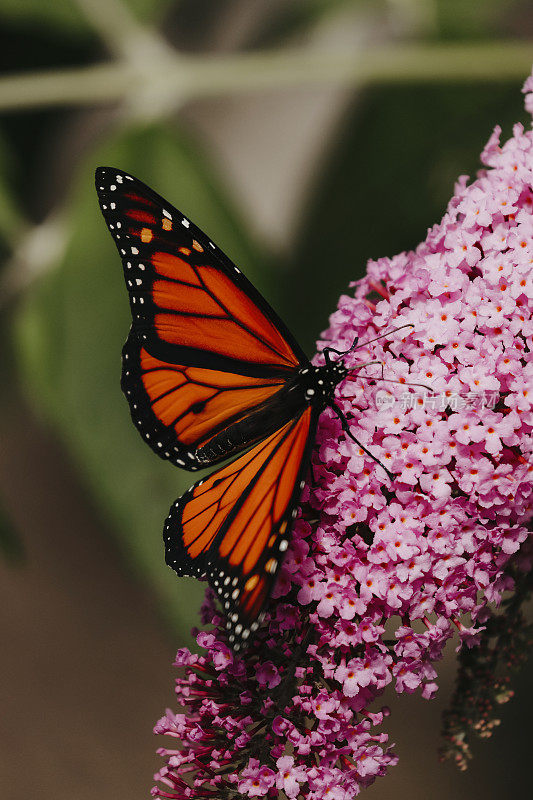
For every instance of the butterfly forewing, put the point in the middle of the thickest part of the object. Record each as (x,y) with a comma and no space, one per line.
(191,307)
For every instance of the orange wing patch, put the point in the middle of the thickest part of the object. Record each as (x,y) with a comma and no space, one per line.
(176,268)
(245,315)
(201,307)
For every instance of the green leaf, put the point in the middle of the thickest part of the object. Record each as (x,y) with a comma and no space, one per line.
(70,332)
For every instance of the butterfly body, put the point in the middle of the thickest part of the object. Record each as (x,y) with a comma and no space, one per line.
(211,373)
(318,383)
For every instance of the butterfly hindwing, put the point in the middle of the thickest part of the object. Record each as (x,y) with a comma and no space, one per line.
(233,526)
(192,310)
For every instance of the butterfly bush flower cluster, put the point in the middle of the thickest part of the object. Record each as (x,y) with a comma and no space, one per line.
(381,573)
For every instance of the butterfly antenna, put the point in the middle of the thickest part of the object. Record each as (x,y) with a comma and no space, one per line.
(356,346)
(347,431)
(327,350)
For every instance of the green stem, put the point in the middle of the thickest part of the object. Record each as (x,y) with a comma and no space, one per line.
(183,78)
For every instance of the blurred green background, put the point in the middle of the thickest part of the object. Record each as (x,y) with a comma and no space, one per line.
(305,136)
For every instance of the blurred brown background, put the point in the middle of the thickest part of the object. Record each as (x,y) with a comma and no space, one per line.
(305,136)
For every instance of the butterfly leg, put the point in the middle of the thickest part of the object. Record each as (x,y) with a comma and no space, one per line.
(346,429)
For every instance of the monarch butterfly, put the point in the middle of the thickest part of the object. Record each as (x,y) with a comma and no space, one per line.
(210,371)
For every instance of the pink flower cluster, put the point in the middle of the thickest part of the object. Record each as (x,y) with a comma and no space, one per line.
(425,553)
